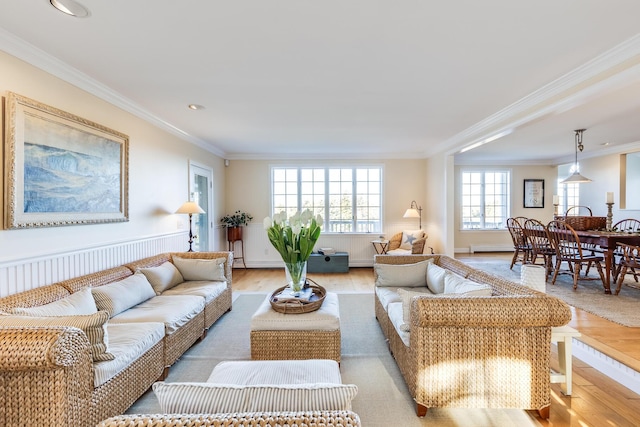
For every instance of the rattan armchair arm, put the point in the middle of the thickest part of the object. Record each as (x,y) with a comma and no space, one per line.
(494,311)
(42,348)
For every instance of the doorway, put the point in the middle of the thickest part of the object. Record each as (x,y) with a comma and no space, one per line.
(201,192)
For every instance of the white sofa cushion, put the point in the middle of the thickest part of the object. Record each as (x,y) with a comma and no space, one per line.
(395,317)
(387,295)
(454,284)
(162,277)
(172,310)
(326,318)
(402,275)
(200,269)
(406,296)
(119,296)
(198,398)
(127,342)
(93,325)
(435,278)
(80,302)
(208,290)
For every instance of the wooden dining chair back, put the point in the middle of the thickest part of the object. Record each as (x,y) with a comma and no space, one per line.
(629,225)
(568,248)
(538,237)
(521,248)
(629,263)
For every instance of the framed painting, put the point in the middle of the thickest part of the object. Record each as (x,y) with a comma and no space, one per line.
(61,169)
(534,193)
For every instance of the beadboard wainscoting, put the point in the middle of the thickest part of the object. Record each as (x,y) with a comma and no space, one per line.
(29,273)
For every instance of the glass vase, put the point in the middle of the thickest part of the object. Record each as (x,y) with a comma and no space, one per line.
(296,273)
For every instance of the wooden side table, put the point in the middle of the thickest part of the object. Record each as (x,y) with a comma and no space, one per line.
(562,336)
(380,246)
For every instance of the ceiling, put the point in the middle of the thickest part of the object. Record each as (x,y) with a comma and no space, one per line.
(354,78)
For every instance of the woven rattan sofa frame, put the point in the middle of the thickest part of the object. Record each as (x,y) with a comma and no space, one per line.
(438,322)
(57,361)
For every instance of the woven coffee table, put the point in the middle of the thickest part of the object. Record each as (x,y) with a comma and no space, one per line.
(313,335)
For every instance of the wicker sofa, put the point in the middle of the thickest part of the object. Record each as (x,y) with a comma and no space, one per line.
(49,375)
(265,419)
(458,350)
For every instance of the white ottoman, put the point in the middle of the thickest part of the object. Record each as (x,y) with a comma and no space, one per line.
(314,335)
(275,372)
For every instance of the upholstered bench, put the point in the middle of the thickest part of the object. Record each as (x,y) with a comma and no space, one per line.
(261,385)
(314,335)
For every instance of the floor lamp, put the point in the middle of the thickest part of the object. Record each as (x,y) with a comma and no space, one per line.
(414,211)
(190,208)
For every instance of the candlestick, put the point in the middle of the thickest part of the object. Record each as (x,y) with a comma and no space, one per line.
(609,197)
(609,213)
(556,202)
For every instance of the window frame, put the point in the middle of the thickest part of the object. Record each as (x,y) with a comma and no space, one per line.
(506,206)
(355,222)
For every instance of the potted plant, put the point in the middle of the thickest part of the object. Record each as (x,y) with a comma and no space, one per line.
(233,223)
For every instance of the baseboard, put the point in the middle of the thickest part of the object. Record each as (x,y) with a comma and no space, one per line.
(615,370)
(490,248)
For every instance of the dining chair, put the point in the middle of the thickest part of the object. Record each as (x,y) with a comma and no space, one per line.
(630,261)
(522,248)
(629,225)
(538,237)
(568,248)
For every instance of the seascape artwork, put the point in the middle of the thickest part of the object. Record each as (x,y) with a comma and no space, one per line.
(69,170)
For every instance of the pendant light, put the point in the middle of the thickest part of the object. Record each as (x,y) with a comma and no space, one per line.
(576,178)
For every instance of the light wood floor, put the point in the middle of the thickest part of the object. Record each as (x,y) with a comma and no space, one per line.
(596,399)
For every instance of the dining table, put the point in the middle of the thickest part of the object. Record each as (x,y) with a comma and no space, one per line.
(607,241)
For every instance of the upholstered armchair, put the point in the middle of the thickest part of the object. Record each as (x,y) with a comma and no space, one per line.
(417,244)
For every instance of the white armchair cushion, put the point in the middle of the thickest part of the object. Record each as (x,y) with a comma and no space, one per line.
(410,236)
(402,275)
(200,269)
(199,398)
(162,277)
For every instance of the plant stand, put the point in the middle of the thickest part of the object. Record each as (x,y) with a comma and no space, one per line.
(234,234)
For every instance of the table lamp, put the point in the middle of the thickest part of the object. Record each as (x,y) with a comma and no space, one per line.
(190,208)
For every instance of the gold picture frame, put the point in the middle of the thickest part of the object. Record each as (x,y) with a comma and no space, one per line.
(61,169)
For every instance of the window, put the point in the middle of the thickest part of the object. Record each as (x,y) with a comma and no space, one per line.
(569,195)
(485,199)
(348,198)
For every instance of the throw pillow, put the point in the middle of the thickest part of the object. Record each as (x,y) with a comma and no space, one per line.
(116,297)
(454,284)
(402,275)
(406,306)
(162,277)
(410,236)
(435,278)
(200,269)
(199,398)
(80,302)
(93,325)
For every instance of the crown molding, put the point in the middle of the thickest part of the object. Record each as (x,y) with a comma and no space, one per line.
(610,69)
(32,55)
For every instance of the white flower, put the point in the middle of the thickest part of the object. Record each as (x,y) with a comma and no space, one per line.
(267,223)
(280,218)
(319,219)
(306,216)
(296,228)
(296,219)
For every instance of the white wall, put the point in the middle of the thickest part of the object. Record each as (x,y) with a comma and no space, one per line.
(500,239)
(248,188)
(158,173)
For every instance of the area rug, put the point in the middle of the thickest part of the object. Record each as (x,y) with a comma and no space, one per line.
(623,309)
(382,400)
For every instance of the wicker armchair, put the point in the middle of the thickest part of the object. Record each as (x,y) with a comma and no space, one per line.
(416,248)
(467,351)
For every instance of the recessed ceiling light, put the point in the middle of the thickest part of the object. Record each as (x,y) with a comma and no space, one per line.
(70,7)
(606,143)
(196,107)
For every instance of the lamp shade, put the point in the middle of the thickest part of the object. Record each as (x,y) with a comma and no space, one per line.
(411,213)
(575,178)
(190,208)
